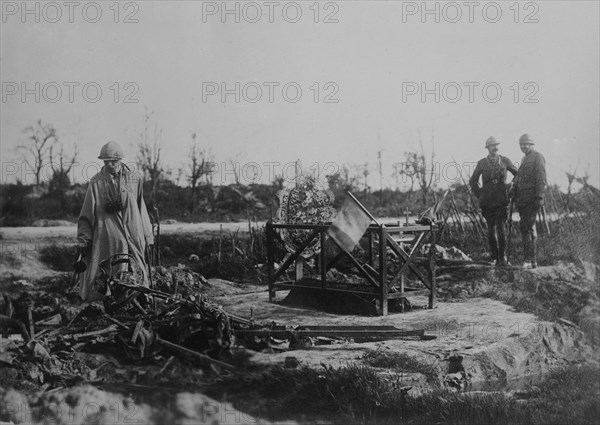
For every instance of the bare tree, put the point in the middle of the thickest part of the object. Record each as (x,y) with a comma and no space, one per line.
(365,173)
(417,168)
(177,174)
(571,177)
(149,152)
(199,167)
(34,152)
(236,166)
(584,181)
(398,171)
(408,168)
(61,166)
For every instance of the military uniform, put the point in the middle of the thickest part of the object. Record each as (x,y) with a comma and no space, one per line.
(113,220)
(529,191)
(493,199)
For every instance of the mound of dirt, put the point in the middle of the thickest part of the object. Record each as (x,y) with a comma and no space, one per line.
(560,292)
(87,404)
(530,352)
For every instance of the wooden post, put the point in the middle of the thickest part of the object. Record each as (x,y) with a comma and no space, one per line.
(371,249)
(431,266)
(402,281)
(299,268)
(270,258)
(382,271)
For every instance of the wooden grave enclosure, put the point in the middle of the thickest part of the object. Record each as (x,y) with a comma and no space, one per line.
(382,284)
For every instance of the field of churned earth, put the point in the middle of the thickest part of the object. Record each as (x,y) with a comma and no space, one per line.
(501,345)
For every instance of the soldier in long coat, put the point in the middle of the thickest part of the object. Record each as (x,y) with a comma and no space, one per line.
(529,194)
(113,219)
(493,196)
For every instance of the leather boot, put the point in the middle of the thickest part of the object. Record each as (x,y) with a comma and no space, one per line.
(533,253)
(493,243)
(527,250)
(502,261)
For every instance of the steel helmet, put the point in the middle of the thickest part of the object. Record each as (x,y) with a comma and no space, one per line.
(526,139)
(491,141)
(111,151)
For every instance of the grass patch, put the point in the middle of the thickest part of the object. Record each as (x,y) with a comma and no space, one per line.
(357,394)
(570,239)
(233,256)
(569,395)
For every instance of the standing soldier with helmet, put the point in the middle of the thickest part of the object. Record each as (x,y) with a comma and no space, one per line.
(493,197)
(528,194)
(113,220)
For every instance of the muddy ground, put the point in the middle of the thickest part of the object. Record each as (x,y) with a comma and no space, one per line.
(489,331)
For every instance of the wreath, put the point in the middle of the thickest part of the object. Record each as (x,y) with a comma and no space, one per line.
(307,202)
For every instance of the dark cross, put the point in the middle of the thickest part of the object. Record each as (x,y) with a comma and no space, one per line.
(406,213)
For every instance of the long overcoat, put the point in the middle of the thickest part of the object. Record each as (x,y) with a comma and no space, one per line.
(107,233)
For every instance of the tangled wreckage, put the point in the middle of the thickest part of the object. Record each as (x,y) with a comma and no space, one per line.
(172,315)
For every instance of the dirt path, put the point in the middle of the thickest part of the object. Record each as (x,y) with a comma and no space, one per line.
(481,339)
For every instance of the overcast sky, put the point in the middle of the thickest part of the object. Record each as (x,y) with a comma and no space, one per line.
(341,88)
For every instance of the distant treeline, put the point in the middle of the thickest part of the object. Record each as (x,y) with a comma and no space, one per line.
(22,205)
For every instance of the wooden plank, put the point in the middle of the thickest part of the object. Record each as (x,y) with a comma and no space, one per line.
(395,295)
(319,227)
(383,295)
(362,270)
(431,271)
(334,260)
(371,252)
(417,244)
(408,261)
(358,266)
(295,255)
(333,332)
(394,228)
(371,270)
(292,285)
(299,268)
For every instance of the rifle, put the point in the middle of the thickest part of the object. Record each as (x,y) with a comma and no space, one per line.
(510,225)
